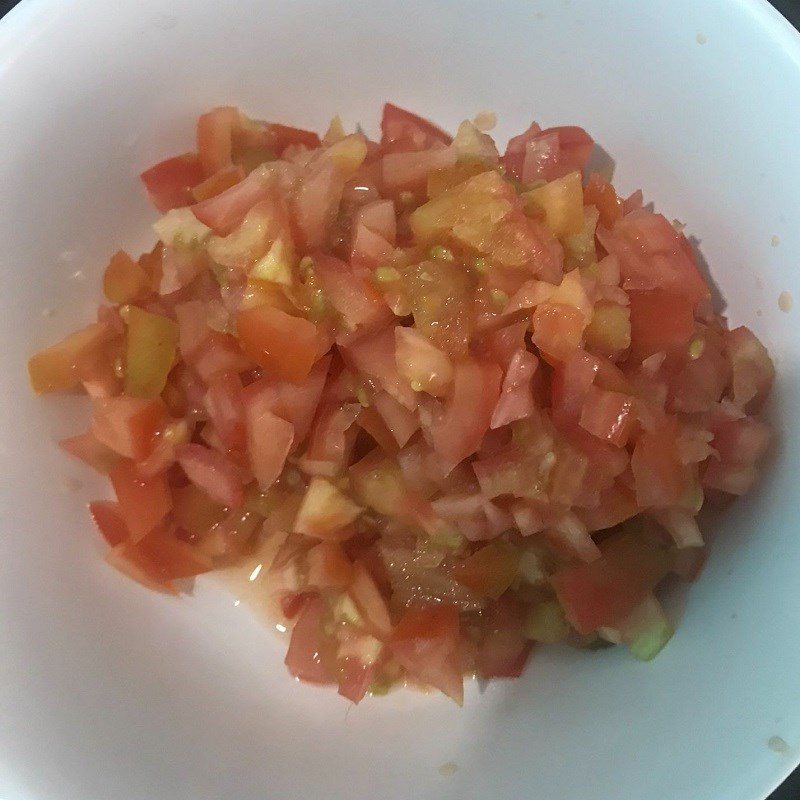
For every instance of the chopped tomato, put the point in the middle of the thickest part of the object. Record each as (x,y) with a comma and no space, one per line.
(660,323)
(213,473)
(504,647)
(653,255)
(608,415)
(58,368)
(657,470)
(326,512)
(225,211)
(600,194)
(369,601)
(605,591)
(329,566)
(269,440)
(222,180)
(401,127)
(124,280)
(557,329)
(467,413)
(127,425)
(169,183)
(150,354)
(490,570)
(310,646)
(426,643)
(215,138)
(753,370)
(110,522)
(143,502)
(286,345)
(90,450)
(195,511)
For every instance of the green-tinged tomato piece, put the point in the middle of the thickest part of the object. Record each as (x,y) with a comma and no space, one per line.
(546,623)
(150,354)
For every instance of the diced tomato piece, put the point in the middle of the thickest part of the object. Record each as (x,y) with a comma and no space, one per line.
(504,648)
(127,425)
(600,194)
(357,302)
(660,323)
(224,212)
(372,422)
(490,570)
(425,642)
(657,470)
(399,421)
(286,345)
(616,504)
(605,591)
(58,368)
(365,594)
(740,443)
(374,355)
(401,127)
(653,255)
(316,203)
(124,280)
(194,511)
(468,412)
(516,397)
(144,502)
(608,415)
(150,354)
(410,170)
(217,354)
(557,329)
(326,512)
(269,440)
(222,180)
(192,326)
(329,566)
(547,154)
(753,370)
(355,678)
(292,603)
(279,137)
(213,473)
(169,183)
(225,405)
(90,450)
(422,364)
(310,647)
(331,441)
(109,521)
(215,138)
(378,217)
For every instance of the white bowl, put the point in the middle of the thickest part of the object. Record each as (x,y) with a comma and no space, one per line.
(109,692)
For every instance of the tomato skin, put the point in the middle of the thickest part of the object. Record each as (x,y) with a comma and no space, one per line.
(225,211)
(288,346)
(169,183)
(402,128)
(143,502)
(603,592)
(660,323)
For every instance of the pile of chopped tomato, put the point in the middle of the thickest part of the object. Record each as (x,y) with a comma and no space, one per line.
(453,402)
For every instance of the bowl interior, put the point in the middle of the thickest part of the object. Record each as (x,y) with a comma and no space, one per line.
(109,692)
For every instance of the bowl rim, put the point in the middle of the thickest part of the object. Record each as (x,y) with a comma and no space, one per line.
(20,23)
